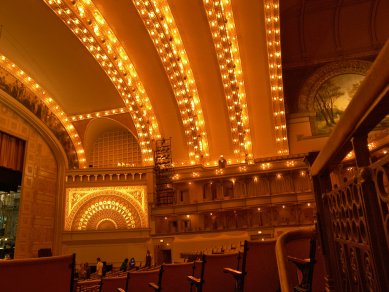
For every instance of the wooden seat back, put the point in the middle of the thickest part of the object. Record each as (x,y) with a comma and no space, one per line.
(139,280)
(173,277)
(296,244)
(196,279)
(215,280)
(260,265)
(38,274)
(111,284)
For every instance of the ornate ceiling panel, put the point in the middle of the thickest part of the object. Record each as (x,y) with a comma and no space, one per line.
(106,208)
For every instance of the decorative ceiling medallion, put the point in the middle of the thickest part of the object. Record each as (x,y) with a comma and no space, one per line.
(106,208)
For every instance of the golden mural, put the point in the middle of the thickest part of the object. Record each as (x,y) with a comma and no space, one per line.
(106,208)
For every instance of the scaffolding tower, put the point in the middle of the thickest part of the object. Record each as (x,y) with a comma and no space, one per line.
(164,172)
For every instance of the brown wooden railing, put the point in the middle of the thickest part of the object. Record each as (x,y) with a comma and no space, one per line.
(353,218)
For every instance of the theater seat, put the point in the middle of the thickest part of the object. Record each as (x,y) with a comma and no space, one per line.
(259,268)
(173,277)
(46,274)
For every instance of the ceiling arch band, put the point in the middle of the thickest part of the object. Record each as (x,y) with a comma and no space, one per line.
(49,101)
(222,26)
(273,37)
(99,114)
(159,22)
(88,25)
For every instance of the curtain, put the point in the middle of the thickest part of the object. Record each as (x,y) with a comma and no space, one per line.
(11,152)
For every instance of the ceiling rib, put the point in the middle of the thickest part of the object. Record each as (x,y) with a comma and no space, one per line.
(160,24)
(222,26)
(273,37)
(50,102)
(88,25)
(105,113)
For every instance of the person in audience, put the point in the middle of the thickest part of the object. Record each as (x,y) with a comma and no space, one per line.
(99,268)
(148,259)
(82,272)
(132,264)
(87,271)
(123,266)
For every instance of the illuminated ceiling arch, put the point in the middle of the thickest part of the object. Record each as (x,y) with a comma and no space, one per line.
(221,23)
(159,22)
(53,107)
(273,38)
(86,207)
(89,26)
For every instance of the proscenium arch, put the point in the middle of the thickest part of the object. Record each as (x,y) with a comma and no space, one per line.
(58,152)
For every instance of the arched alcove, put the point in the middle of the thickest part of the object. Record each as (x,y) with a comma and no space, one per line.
(108,143)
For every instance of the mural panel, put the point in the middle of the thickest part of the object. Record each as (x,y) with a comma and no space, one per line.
(106,208)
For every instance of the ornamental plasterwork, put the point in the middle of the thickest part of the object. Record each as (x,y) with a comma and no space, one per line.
(125,206)
(321,75)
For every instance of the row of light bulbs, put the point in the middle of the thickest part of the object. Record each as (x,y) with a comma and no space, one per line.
(163,31)
(221,23)
(37,89)
(273,37)
(87,23)
(104,46)
(244,168)
(106,113)
(106,205)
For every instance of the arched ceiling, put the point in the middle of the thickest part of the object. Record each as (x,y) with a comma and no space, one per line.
(196,71)
(205,72)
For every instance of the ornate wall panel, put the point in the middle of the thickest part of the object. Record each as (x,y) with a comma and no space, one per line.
(106,208)
(37,214)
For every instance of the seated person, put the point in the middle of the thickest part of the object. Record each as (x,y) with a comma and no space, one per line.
(123,266)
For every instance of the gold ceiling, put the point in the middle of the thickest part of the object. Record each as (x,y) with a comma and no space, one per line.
(206,73)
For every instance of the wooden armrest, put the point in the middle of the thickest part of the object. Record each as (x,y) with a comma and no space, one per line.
(153,285)
(120,290)
(194,279)
(234,272)
(298,260)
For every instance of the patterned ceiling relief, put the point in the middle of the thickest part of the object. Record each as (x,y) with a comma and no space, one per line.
(106,208)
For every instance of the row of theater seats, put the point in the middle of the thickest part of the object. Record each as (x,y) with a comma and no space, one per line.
(263,266)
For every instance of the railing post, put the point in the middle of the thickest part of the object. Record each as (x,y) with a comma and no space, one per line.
(376,227)
(322,185)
